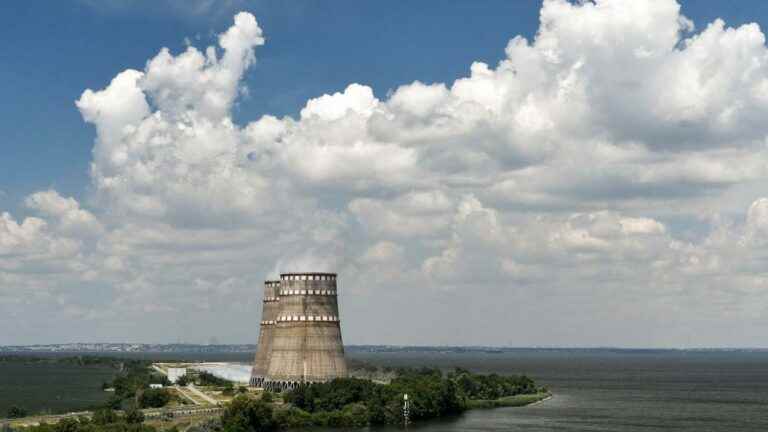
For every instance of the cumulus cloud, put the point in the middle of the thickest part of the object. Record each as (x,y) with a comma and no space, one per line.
(563,183)
(66,212)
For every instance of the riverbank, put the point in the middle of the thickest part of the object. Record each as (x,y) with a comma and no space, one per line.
(509,401)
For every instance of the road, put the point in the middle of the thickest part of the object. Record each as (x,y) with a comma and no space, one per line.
(202,395)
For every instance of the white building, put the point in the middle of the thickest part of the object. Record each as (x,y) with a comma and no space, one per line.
(175,373)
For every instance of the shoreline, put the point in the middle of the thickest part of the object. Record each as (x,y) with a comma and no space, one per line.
(548,397)
(509,401)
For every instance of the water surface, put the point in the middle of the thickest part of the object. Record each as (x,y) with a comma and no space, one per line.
(610,390)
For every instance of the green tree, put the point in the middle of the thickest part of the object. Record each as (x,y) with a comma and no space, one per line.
(244,414)
(154,398)
(133,415)
(208,379)
(104,416)
(114,402)
(67,425)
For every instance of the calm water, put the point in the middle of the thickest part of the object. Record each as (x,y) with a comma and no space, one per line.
(603,390)
(52,388)
(617,391)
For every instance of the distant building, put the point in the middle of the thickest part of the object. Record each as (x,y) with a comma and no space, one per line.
(175,373)
(155,386)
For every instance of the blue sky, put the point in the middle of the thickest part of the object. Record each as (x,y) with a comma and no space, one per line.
(62,48)
(606,178)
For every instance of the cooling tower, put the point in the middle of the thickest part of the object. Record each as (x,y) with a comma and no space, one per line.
(268,318)
(306,339)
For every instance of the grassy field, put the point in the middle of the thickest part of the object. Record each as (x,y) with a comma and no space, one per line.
(52,387)
(510,401)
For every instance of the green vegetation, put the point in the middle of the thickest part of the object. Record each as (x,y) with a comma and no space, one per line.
(134,416)
(104,416)
(105,421)
(347,402)
(267,396)
(248,415)
(352,402)
(492,386)
(131,386)
(154,398)
(208,379)
(183,381)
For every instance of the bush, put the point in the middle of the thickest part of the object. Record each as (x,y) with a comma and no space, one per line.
(350,402)
(114,402)
(244,414)
(267,396)
(104,416)
(292,418)
(492,386)
(208,379)
(67,425)
(355,415)
(133,415)
(210,425)
(154,398)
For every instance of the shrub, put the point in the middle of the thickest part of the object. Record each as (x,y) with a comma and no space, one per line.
(292,418)
(133,415)
(154,398)
(244,414)
(104,416)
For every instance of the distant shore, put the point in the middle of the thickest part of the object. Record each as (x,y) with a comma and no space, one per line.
(189,348)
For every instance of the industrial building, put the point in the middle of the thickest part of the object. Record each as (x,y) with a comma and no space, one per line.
(269,313)
(300,332)
(174,374)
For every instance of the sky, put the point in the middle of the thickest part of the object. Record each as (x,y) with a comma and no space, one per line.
(478,173)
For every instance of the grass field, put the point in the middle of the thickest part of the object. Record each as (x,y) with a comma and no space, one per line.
(52,387)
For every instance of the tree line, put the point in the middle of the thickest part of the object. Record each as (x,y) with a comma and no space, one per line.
(343,402)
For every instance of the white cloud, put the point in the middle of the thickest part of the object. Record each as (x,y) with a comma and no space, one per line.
(66,212)
(584,176)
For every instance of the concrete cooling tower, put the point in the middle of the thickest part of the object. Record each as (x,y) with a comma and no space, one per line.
(269,312)
(304,344)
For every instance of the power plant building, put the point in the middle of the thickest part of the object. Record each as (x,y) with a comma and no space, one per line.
(300,333)
(268,319)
